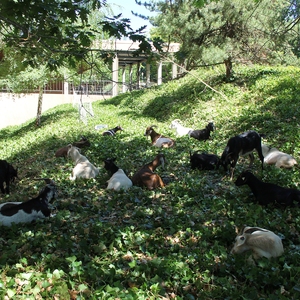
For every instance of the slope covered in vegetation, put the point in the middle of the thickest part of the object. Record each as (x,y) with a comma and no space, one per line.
(172,243)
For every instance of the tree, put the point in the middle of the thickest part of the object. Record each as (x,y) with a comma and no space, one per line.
(223,32)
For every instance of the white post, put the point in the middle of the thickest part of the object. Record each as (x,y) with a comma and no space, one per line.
(174,71)
(148,75)
(115,77)
(159,73)
(130,77)
(124,88)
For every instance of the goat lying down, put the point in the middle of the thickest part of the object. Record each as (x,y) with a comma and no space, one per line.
(7,175)
(158,140)
(262,243)
(145,177)
(202,134)
(243,144)
(28,211)
(180,129)
(273,156)
(112,132)
(204,161)
(83,168)
(63,152)
(118,179)
(266,193)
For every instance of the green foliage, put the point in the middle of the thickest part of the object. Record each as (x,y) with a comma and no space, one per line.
(173,242)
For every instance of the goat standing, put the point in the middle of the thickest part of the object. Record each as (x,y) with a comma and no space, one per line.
(146,176)
(242,144)
(158,140)
(266,193)
(28,211)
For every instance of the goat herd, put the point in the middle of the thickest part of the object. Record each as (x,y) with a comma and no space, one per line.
(262,242)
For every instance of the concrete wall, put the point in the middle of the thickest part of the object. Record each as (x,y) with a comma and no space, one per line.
(17,109)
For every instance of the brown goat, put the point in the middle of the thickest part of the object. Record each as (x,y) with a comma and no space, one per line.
(146,176)
(157,139)
(63,152)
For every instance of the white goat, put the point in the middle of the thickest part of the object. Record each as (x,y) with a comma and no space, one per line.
(119,179)
(273,156)
(180,130)
(262,242)
(83,168)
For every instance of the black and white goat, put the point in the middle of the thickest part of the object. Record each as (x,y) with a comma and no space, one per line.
(243,144)
(7,175)
(266,193)
(180,130)
(112,131)
(28,211)
(273,156)
(204,161)
(83,168)
(202,134)
(262,243)
(145,177)
(118,179)
(158,140)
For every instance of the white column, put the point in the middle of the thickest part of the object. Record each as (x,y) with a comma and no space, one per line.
(159,73)
(138,75)
(115,77)
(124,88)
(174,71)
(130,77)
(148,75)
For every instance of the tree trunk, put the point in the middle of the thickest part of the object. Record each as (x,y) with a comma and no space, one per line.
(40,104)
(228,66)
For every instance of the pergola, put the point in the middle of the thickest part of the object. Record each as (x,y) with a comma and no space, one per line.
(125,59)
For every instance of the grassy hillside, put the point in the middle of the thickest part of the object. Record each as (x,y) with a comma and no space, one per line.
(172,243)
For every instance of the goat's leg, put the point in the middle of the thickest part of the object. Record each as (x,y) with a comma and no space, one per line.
(251,156)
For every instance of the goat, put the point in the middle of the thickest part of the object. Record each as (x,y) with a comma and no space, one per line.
(7,174)
(242,144)
(119,179)
(204,161)
(146,176)
(157,139)
(112,131)
(266,193)
(83,168)
(63,152)
(180,130)
(202,134)
(273,156)
(262,242)
(28,211)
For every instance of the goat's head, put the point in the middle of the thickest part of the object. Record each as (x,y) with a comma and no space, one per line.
(175,123)
(108,163)
(211,126)
(161,160)
(149,130)
(243,178)
(119,128)
(49,191)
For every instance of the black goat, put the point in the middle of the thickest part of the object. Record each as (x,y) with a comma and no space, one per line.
(112,131)
(7,174)
(242,144)
(204,161)
(267,193)
(202,134)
